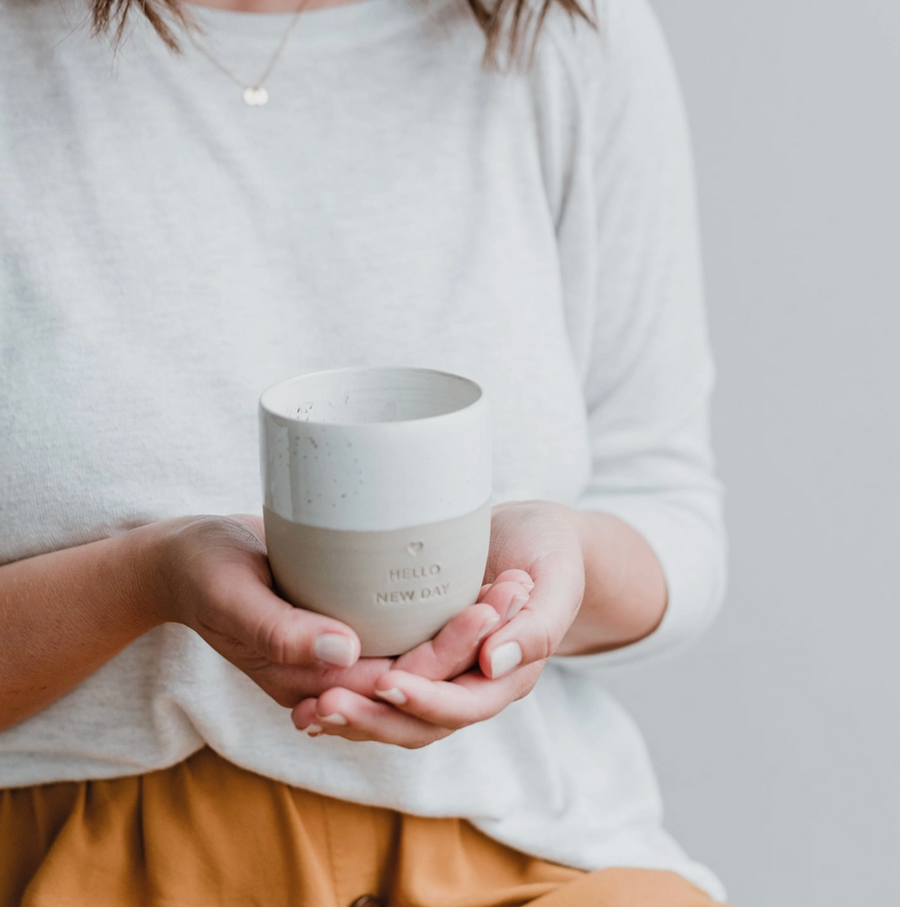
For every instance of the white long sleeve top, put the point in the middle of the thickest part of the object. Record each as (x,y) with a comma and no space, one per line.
(166,252)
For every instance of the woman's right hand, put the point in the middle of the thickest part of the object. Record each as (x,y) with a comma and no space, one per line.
(66,613)
(213,576)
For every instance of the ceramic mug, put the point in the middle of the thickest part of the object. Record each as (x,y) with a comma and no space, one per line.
(376,492)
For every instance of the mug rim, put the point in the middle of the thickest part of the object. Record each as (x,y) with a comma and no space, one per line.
(270,412)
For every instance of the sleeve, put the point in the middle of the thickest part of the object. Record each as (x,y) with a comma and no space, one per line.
(641,334)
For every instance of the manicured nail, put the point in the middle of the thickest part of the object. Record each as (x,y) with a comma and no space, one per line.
(314,730)
(504,658)
(334,718)
(520,577)
(487,626)
(335,649)
(398,697)
(516,605)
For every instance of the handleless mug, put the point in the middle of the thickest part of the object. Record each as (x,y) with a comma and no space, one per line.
(376,492)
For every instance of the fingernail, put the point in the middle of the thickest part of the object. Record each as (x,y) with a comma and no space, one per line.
(398,697)
(504,658)
(335,649)
(334,718)
(486,628)
(314,730)
(516,605)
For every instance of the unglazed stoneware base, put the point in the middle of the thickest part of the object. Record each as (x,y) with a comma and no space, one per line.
(396,587)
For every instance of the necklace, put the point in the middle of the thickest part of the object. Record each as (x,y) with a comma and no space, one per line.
(255,93)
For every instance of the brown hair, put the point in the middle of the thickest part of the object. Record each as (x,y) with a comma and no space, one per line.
(519,20)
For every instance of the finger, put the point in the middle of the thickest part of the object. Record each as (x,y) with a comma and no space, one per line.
(253,522)
(345,714)
(538,628)
(506,598)
(516,576)
(528,639)
(513,576)
(304,716)
(466,700)
(247,610)
(288,684)
(455,647)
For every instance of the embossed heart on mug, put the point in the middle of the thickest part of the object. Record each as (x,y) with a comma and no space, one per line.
(414,548)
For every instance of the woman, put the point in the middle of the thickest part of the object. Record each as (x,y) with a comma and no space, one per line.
(345,185)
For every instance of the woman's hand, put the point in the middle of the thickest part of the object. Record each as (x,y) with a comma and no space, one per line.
(215,579)
(68,612)
(422,701)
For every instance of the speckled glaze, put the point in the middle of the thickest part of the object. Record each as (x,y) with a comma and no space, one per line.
(367,474)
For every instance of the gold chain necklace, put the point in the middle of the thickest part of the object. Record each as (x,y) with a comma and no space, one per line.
(255,93)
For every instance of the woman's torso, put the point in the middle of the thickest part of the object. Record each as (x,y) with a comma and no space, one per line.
(168,252)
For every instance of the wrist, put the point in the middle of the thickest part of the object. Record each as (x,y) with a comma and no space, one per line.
(625,591)
(144,551)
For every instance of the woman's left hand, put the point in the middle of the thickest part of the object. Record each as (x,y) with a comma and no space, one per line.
(421,701)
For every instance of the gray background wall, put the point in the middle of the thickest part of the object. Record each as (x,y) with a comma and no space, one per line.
(777,738)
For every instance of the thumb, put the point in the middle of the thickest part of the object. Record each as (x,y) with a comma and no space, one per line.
(245,609)
(535,632)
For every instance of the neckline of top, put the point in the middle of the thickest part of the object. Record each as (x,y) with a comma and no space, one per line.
(344,24)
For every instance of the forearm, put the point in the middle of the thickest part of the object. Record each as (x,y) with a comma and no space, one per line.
(625,590)
(65,614)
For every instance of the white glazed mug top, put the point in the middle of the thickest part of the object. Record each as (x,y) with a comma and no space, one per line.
(375,448)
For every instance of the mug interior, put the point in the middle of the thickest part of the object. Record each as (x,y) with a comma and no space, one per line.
(370,395)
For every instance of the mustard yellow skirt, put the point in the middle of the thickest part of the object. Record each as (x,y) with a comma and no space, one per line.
(207,834)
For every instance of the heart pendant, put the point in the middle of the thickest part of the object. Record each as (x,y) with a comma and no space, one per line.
(414,548)
(255,96)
